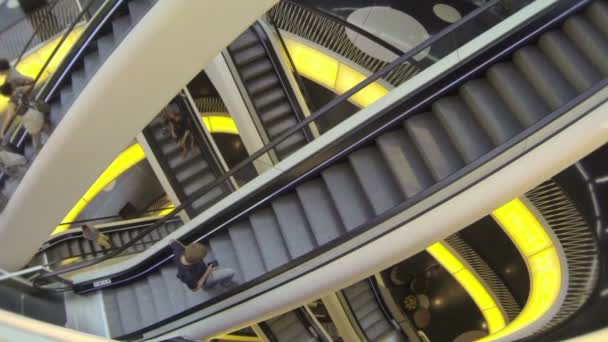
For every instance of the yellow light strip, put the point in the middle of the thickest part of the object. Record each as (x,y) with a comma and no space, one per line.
(229,337)
(127,159)
(331,73)
(542,259)
(473,286)
(31,64)
(218,123)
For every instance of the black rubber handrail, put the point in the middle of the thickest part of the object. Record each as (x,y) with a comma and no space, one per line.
(264,150)
(397,51)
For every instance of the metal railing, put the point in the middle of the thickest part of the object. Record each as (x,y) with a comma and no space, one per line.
(405,59)
(37,27)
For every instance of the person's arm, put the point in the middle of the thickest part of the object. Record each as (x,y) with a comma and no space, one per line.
(201,282)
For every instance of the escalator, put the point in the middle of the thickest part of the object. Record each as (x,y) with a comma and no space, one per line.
(364,303)
(99,39)
(188,172)
(363,179)
(266,85)
(71,244)
(294,325)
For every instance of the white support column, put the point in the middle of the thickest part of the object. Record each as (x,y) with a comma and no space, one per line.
(222,79)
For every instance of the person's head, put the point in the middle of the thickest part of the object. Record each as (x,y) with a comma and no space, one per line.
(195,253)
(86,227)
(7,89)
(5,66)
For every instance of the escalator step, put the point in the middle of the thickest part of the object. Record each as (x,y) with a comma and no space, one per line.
(490,110)
(138,9)
(356,289)
(263,83)
(274,96)
(375,179)
(589,39)
(105,46)
(293,143)
(517,93)
(378,329)
(543,76)
(128,307)
(211,196)
(251,54)
(269,238)
(460,125)
(347,195)
(283,322)
(256,69)
(277,112)
(405,162)
(370,319)
(160,293)
(575,67)
(597,12)
(247,250)
(121,27)
(244,41)
(145,302)
(434,145)
(362,300)
(279,127)
(79,80)
(92,62)
(191,185)
(67,98)
(175,289)
(294,226)
(225,254)
(320,211)
(113,313)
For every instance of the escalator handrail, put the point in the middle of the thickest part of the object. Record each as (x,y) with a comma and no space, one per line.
(357,29)
(262,151)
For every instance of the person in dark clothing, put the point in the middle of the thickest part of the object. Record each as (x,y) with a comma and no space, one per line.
(194,272)
(179,129)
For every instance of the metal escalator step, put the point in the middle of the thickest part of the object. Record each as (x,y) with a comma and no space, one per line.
(320,211)
(113,313)
(597,12)
(121,27)
(365,307)
(375,178)
(293,224)
(378,329)
(269,237)
(290,145)
(92,62)
(256,69)
(125,238)
(145,302)
(87,249)
(156,234)
(74,248)
(575,67)
(279,127)
(175,289)
(225,253)
(362,300)
(251,54)
(490,110)
(193,184)
(468,137)
(138,9)
(160,293)
(263,83)
(348,195)
(543,76)
(67,97)
(434,145)
(181,162)
(79,80)
(356,289)
(517,93)
(278,324)
(370,319)
(128,307)
(208,198)
(105,47)
(270,97)
(405,162)
(293,332)
(280,111)
(56,113)
(244,41)
(247,250)
(589,39)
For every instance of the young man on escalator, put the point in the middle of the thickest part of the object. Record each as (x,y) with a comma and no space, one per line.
(193,271)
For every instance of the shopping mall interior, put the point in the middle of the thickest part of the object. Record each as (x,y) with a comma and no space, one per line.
(303,170)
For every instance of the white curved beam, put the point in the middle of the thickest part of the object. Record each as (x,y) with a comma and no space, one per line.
(170,45)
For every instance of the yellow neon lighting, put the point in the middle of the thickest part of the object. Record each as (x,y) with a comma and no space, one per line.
(230,337)
(543,262)
(127,159)
(31,64)
(480,295)
(220,124)
(331,73)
